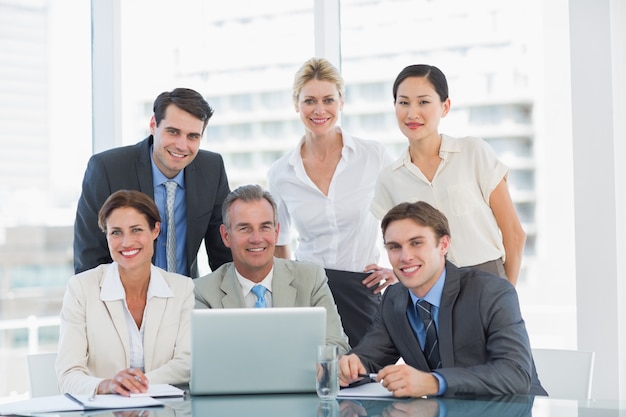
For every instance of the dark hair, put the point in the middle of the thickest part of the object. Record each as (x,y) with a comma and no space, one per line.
(247,193)
(422,213)
(185,99)
(133,199)
(431,73)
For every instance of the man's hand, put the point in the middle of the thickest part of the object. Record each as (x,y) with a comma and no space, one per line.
(406,381)
(350,367)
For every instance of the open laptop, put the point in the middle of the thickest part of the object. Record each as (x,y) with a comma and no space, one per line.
(255,350)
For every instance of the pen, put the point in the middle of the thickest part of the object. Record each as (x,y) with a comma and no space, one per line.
(370,376)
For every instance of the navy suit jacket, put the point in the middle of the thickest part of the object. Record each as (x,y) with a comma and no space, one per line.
(129,168)
(483,342)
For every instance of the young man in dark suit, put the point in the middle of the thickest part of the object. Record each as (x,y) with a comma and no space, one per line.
(171,153)
(473,342)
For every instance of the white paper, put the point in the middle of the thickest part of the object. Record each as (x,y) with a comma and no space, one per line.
(115,401)
(40,405)
(371,389)
(161,390)
(59,403)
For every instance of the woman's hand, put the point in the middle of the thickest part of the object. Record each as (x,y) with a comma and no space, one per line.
(128,381)
(380,278)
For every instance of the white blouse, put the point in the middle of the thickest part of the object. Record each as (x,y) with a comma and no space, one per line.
(467,174)
(337,231)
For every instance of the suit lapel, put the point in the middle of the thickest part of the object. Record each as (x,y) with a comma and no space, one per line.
(412,353)
(283,293)
(233,298)
(154,317)
(448,298)
(143,168)
(194,234)
(116,311)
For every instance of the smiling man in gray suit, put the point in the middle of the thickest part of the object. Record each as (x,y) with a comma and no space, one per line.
(479,343)
(250,230)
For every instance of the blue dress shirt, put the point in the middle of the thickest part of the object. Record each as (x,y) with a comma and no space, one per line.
(434,298)
(180,217)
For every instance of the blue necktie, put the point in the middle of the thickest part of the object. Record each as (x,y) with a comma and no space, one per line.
(431,346)
(259,291)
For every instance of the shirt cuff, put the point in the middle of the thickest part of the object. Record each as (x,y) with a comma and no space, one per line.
(443,386)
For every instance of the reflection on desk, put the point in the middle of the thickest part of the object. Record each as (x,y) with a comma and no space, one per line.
(509,406)
(308,405)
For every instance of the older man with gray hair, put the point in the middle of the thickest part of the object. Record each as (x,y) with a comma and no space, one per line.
(255,278)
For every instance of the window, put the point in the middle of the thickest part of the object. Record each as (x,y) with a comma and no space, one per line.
(45,117)
(242,56)
(495,71)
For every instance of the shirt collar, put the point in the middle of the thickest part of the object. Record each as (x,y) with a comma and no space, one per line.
(158,286)
(247,285)
(158,178)
(349,146)
(112,288)
(448,145)
(348,140)
(434,295)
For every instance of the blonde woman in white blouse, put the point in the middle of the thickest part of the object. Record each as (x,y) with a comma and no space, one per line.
(323,189)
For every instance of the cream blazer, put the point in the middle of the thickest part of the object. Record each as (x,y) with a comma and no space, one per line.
(94,343)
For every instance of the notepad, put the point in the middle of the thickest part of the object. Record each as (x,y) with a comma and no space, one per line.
(67,402)
(160,390)
(369,390)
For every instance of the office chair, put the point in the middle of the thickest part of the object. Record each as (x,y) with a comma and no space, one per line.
(565,374)
(41,374)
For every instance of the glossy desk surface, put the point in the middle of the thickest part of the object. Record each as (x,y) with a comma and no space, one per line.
(296,405)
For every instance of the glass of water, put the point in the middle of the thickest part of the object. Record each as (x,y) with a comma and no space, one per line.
(327,384)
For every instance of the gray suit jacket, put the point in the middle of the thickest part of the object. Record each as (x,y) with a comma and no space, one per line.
(129,168)
(295,284)
(483,343)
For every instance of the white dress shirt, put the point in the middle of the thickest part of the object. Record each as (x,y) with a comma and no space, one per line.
(246,288)
(336,231)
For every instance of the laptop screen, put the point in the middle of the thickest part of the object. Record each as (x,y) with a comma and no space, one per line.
(256,350)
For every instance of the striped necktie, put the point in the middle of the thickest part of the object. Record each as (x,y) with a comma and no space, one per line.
(431,346)
(170,245)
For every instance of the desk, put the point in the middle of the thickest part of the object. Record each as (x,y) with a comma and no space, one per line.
(310,406)
(296,405)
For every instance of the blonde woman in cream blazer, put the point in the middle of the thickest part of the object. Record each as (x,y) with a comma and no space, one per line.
(125,325)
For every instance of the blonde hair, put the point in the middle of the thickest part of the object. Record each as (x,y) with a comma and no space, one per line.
(318,69)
